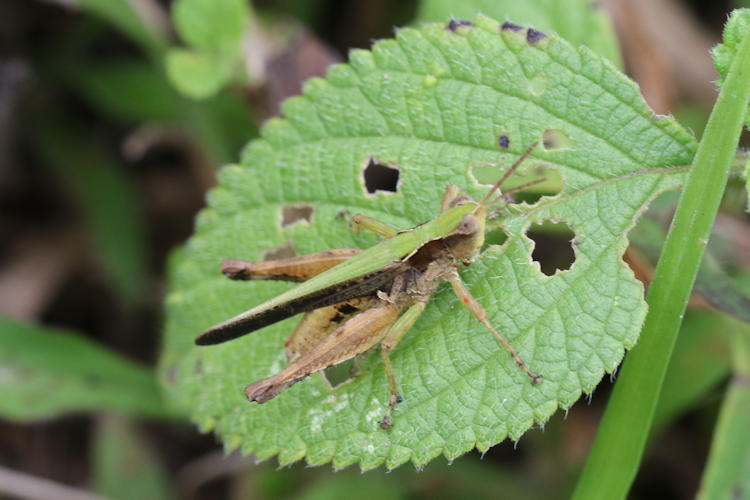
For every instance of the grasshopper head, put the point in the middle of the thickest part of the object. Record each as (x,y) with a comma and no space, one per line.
(467,238)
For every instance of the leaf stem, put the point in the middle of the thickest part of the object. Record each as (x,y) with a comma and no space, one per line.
(619,444)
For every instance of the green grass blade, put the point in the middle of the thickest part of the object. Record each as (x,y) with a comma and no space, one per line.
(619,445)
(727,473)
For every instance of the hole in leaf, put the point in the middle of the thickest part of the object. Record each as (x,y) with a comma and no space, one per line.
(537,85)
(553,246)
(380,178)
(341,373)
(284,251)
(488,174)
(553,139)
(495,237)
(295,214)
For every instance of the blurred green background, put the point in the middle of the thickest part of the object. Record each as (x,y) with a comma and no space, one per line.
(115,116)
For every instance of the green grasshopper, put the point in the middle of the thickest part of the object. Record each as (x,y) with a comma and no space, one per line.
(355,299)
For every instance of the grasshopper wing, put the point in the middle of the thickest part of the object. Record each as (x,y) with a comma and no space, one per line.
(270,312)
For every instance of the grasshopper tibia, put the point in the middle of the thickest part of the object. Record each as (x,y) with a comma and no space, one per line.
(465,297)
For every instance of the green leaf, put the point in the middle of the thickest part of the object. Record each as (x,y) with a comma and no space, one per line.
(734,30)
(46,372)
(125,466)
(214,26)
(195,74)
(580,22)
(433,102)
(616,453)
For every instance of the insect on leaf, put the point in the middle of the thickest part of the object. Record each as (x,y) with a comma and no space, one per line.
(432,103)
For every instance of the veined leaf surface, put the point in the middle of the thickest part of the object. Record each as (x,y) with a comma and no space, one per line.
(433,103)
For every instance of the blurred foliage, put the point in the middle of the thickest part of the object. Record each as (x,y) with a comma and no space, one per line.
(46,372)
(125,465)
(106,198)
(214,29)
(94,90)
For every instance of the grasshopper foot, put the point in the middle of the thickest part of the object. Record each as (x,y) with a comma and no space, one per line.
(386,423)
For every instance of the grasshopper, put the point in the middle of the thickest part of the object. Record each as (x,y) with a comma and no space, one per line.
(354,299)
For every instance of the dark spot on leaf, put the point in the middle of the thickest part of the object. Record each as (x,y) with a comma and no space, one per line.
(380,178)
(347,309)
(553,246)
(399,399)
(503,141)
(284,251)
(553,139)
(509,26)
(533,36)
(296,213)
(454,24)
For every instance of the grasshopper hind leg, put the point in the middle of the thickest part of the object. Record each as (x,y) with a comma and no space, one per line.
(478,311)
(357,335)
(395,333)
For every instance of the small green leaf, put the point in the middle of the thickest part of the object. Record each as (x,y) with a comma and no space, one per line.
(214,26)
(434,103)
(734,30)
(125,466)
(46,372)
(581,22)
(196,74)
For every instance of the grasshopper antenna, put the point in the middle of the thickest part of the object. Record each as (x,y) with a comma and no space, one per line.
(507,174)
(508,197)
(509,194)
